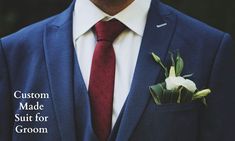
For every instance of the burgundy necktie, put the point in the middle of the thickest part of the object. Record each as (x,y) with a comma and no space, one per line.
(101,85)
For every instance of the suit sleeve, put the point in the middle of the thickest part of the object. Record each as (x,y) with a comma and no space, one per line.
(5,99)
(217,121)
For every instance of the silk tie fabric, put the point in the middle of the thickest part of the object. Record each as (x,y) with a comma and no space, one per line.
(101,84)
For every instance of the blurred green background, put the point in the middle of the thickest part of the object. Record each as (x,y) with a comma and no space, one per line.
(19,13)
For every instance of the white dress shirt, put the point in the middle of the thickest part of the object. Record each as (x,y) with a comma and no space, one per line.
(126,45)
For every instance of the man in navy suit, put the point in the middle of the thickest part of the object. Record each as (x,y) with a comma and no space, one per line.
(45,75)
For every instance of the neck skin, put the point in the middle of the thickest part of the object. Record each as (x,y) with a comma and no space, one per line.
(112,7)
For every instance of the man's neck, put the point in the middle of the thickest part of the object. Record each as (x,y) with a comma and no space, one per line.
(112,7)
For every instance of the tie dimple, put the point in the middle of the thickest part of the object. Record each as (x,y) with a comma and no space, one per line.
(108,30)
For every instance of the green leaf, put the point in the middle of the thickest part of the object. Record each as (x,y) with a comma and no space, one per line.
(179,65)
(166,96)
(174,96)
(156,92)
(186,96)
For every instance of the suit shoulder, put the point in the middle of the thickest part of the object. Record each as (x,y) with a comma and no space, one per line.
(192,27)
(30,33)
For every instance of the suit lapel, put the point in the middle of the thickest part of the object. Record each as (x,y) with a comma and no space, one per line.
(83,113)
(59,49)
(158,32)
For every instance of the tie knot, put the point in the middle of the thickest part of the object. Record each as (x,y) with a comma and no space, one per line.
(108,30)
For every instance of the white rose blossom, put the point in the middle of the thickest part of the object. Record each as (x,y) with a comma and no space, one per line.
(173,83)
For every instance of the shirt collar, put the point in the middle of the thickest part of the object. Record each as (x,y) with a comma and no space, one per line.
(86,15)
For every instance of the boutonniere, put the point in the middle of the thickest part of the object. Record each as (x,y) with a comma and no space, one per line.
(176,88)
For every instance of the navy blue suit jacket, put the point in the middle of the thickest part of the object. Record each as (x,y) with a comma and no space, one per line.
(41,59)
